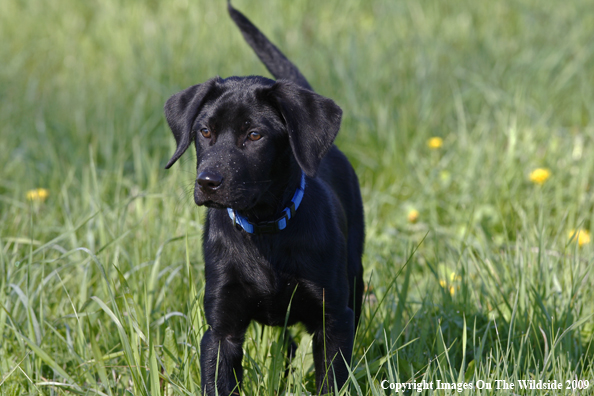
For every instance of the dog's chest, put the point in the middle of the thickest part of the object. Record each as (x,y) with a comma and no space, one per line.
(271,306)
(267,277)
(272,287)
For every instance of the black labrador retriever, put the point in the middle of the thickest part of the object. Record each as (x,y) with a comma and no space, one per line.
(284,233)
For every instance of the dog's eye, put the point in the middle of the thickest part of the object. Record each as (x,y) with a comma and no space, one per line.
(253,136)
(206,133)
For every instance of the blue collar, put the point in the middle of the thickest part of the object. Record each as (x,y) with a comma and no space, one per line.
(271,227)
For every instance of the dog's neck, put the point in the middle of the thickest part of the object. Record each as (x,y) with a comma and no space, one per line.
(277,206)
(278,197)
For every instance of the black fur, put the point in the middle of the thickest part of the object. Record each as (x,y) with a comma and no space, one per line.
(316,259)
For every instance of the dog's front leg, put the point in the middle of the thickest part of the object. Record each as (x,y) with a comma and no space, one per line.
(221,350)
(332,346)
(220,361)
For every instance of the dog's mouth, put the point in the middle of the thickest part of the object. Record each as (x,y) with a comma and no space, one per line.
(212,205)
(243,197)
(241,204)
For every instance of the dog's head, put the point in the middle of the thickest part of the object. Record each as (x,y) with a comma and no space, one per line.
(247,132)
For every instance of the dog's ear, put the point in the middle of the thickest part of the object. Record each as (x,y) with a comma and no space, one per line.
(312,122)
(181,110)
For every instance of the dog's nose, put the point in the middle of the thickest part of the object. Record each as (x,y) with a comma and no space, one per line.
(209,181)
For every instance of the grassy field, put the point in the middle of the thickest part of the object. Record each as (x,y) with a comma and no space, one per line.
(476,271)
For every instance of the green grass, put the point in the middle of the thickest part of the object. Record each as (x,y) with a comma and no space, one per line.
(101,284)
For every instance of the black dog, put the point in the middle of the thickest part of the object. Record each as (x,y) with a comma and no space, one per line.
(284,231)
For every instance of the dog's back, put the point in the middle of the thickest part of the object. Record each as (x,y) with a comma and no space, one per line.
(336,171)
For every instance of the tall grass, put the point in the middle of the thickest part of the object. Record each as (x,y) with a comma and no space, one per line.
(101,284)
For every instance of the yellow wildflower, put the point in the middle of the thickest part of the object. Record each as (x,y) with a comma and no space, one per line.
(450,288)
(582,236)
(413,216)
(435,142)
(454,277)
(539,175)
(37,195)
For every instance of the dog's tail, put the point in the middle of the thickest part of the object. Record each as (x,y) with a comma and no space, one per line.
(273,59)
